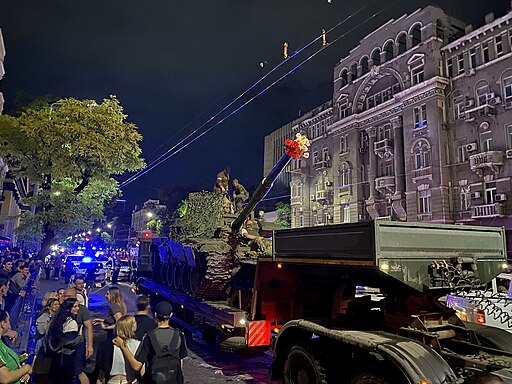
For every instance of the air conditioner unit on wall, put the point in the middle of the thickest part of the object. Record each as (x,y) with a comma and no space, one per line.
(475,195)
(508,153)
(471,147)
(494,101)
(500,197)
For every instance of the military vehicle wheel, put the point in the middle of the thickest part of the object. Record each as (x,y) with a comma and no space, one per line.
(368,378)
(303,367)
(170,275)
(177,276)
(194,279)
(185,279)
(233,344)
(163,277)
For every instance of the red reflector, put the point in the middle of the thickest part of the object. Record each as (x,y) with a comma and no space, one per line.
(258,333)
(480,316)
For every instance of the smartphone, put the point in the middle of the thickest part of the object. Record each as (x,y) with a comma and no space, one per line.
(23,357)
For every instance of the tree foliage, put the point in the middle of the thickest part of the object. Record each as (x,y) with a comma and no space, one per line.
(283,214)
(70,148)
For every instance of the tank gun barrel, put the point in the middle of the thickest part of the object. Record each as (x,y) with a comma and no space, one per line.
(261,191)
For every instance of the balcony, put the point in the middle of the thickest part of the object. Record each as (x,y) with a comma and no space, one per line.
(424,217)
(322,164)
(384,218)
(383,148)
(482,110)
(385,183)
(488,210)
(421,173)
(296,200)
(491,160)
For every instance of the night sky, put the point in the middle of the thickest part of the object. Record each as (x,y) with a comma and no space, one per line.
(174,64)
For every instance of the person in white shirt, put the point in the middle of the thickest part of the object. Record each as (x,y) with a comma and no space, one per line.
(81,292)
(121,373)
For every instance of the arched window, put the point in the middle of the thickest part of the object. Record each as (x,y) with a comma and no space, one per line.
(481,91)
(344,174)
(316,159)
(506,82)
(459,105)
(421,154)
(376,56)
(416,34)
(388,51)
(402,43)
(364,65)
(343,107)
(344,77)
(299,189)
(353,71)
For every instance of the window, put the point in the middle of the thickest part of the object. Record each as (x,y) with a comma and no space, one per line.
(465,198)
(388,51)
(353,71)
(490,192)
(485,52)
(363,140)
(312,132)
(402,43)
(498,45)
(420,116)
(384,132)
(462,153)
(345,214)
(424,201)
(472,57)
(482,90)
(299,190)
(317,130)
(507,89)
(343,144)
(510,37)
(325,154)
(386,168)
(387,94)
(460,62)
(376,57)
(364,65)
(315,156)
(417,75)
(322,127)
(486,141)
(344,174)
(344,77)
(459,105)
(449,67)
(416,35)
(344,109)
(301,220)
(421,153)
(508,132)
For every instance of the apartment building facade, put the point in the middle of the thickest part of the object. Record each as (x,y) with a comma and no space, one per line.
(419,128)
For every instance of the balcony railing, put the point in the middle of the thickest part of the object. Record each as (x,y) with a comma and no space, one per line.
(322,195)
(424,216)
(422,173)
(489,159)
(385,182)
(488,210)
(482,110)
(321,164)
(296,200)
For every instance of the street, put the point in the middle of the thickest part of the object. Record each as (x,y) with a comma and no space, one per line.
(205,363)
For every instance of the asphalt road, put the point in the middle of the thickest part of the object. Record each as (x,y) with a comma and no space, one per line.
(205,364)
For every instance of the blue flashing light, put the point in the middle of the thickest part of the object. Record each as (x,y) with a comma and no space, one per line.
(87,259)
(93,248)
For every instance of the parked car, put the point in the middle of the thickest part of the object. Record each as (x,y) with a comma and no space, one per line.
(76,259)
(92,271)
(125,270)
(492,306)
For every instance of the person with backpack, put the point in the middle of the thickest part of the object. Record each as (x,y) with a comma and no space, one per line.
(161,351)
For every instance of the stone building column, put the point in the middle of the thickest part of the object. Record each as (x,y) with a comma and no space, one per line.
(398,198)
(372,135)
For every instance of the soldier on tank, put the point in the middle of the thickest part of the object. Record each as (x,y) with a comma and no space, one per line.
(251,237)
(222,187)
(240,194)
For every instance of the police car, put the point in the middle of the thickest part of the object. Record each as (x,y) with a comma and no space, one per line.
(93,272)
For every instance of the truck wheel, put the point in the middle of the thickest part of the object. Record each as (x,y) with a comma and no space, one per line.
(233,344)
(303,367)
(368,378)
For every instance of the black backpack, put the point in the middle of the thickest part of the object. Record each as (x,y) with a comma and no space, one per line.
(166,364)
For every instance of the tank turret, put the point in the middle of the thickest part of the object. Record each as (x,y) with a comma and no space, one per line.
(204,248)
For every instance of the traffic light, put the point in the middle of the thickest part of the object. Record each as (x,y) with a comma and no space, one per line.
(146,235)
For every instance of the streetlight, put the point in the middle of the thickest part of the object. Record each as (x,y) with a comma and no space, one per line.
(98,229)
(149,214)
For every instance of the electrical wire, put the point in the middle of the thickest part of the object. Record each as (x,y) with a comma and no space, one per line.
(173,151)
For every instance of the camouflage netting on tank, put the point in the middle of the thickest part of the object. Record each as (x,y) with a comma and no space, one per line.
(201,218)
(218,258)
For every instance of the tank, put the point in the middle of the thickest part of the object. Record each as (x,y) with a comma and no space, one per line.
(205,253)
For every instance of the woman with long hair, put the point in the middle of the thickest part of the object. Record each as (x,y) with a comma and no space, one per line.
(117,310)
(11,368)
(120,372)
(43,321)
(62,337)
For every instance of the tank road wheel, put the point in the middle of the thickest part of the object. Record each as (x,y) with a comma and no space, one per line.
(194,279)
(170,275)
(177,276)
(233,344)
(163,274)
(368,378)
(303,367)
(185,279)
